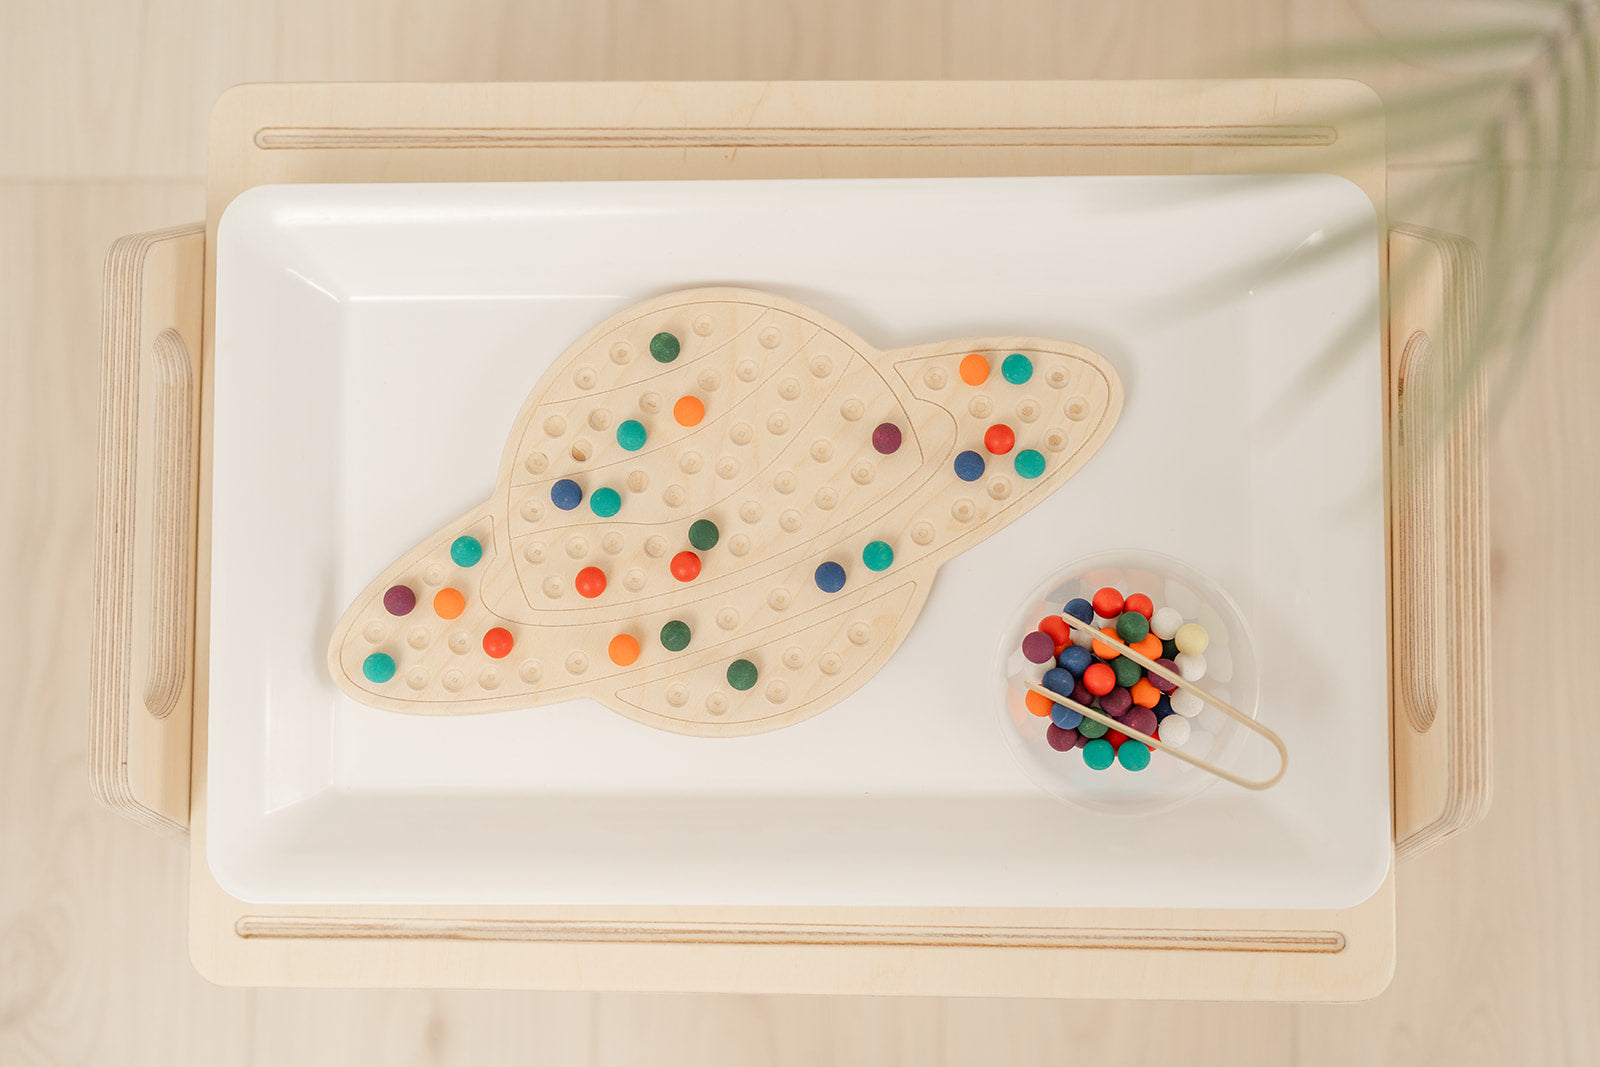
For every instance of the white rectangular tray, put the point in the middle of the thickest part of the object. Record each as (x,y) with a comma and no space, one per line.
(355,322)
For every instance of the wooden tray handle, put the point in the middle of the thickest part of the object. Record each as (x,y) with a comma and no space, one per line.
(141,657)
(1440,596)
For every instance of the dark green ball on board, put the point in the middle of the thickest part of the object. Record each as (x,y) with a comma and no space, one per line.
(742,674)
(703,534)
(675,636)
(664,347)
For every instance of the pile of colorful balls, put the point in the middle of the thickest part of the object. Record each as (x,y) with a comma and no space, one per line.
(1088,671)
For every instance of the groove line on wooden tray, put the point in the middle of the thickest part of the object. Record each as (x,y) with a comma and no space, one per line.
(388,137)
(1418,448)
(291,927)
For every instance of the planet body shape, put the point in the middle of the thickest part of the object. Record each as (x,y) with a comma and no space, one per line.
(787,459)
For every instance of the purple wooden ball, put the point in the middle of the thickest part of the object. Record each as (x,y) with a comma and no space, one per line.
(1080,694)
(1141,719)
(1061,740)
(399,600)
(1039,647)
(1160,682)
(1117,702)
(886,438)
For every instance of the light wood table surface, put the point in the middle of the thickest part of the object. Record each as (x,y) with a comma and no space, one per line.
(102,132)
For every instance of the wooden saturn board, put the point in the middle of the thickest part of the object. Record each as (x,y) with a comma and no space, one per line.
(718,513)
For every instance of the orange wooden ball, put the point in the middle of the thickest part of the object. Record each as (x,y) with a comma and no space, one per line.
(1103,650)
(590,582)
(689,410)
(497,642)
(1038,703)
(623,650)
(685,566)
(1144,694)
(1149,648)
(449,603)
(974,369)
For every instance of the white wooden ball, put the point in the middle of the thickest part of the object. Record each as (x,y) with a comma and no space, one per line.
(1191,665)
(1174,730)
(1186,703)
(1164,622)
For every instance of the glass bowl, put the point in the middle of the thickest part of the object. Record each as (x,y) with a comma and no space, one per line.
(1231,674)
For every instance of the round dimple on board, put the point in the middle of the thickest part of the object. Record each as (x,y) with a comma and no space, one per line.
(794,657)
(454,680)
(677,694)
(530,671)
(577,662)
(599,418)
(741,433)
(779,599)
(638,481)
(770,337)
(553,587)
(651,403)
(633,581)
(655,546)
(728,617)
(827,498)
(859,633)
(703,325)
(922,533)
(611,542)
(1077,408)
(584,378)
(935,378)
(674,496)
(861,473)
(532,510)
(716,703)
(789,520)
(747,370)
(582,449)
(789,388)
(830,663)
(621,353)
(374,632)
(778,692)
(577,547)
(821,366)
(489,678)
(709,380)
(460,642)
(555,426)
(785,481)
(417,637)
(433,575)
(1000,488)
(1055,440)
(963,510)
(1056,377)
(690,463)
(750,511)
(727,467)
(777,424)
(822,450)
(417,678)
(852,409)
(739,545)
(534,551)
(1028,409)
(536,463)
(980,407)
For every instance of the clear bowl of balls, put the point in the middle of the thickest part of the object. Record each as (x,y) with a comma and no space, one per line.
(1154,603)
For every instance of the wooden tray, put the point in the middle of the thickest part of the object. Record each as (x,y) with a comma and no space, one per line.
(149,653)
